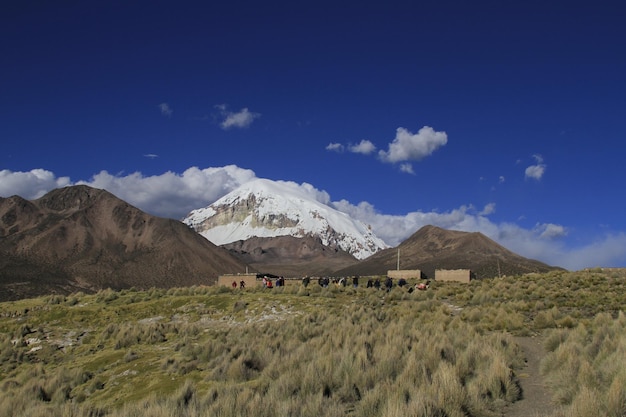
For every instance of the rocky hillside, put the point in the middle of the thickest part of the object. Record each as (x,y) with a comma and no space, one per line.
(433,248)
(81,238)
(290,256)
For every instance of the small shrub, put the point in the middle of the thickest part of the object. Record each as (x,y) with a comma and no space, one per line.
(130,356)
(71,301)
(543,320)
(240,305)
(616,396)
(554,339)
(55,299)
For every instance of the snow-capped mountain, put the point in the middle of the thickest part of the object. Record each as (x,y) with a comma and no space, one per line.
(265,208)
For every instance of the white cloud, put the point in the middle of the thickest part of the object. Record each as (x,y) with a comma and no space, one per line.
(241,119)
(536,171)
(174,195)
(166,110)
(30,185)
(171,194)
(407,168)
(408,146)
(550,231)
(151,155)
(364,147)
(501,179)
(335,147)
(405,147)
(488,209)
(609,250)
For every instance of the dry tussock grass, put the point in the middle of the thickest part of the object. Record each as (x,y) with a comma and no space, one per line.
(314,351)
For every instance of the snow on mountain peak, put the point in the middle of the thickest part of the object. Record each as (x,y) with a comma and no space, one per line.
(265,208)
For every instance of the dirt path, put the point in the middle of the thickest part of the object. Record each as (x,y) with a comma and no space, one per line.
(535,400)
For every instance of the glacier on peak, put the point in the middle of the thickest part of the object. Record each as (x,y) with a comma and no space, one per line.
(266,208)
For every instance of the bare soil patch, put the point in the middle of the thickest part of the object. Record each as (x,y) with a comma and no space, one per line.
(536,399)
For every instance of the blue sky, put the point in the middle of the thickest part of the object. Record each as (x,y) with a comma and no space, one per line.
(500,117)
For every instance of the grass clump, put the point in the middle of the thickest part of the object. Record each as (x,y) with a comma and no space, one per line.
(584,367)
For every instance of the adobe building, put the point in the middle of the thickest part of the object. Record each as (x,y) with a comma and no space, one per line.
(453,275)
(404,273)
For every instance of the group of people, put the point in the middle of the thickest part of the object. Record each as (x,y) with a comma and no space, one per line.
(388,283)
(242,284)
(324,282)
(267,282)
(422,286)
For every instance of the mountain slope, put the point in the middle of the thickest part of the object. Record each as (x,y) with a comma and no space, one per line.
(81,238)
(290,256)
(266,209)
(433,248)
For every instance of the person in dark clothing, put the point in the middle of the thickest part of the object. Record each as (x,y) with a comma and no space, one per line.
(388,284)
(401,282)
(242,285)
(370,283)
(377,284)
(355,281)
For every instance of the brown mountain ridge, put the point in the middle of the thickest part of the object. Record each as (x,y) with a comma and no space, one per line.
(432,248)
(82,238)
